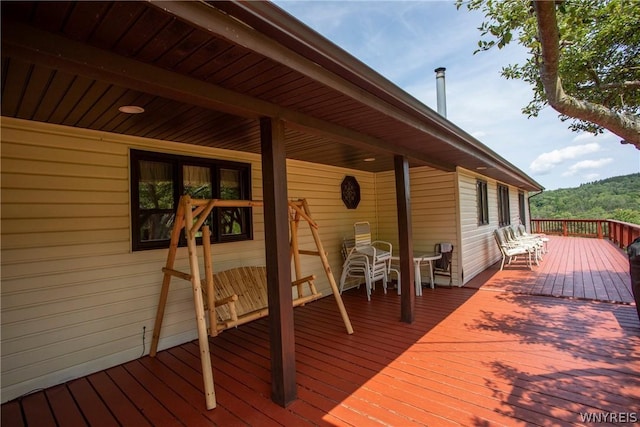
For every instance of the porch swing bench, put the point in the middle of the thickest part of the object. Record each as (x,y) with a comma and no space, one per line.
(241,295)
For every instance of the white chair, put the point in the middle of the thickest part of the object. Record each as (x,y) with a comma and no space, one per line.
(513,237)
(362,241)
(367,260)
(511,251)
(521,233)
(363,244)
(359,266)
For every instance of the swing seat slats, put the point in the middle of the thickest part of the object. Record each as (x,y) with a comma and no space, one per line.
(241,295)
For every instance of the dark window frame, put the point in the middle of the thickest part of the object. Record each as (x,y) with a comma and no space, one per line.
(504,211)
(482,200)
(522,211)
(177,163)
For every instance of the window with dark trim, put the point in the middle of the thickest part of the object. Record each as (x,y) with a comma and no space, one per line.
(504,214)
(482,202)
(522,208)
(157,182)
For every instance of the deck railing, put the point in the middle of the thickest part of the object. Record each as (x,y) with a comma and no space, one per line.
(620,233)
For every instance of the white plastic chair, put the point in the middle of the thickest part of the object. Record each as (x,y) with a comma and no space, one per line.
(512,237)
(364,244)
(362,239)
(367,260)
(521,233)
(511,251)
(360,266)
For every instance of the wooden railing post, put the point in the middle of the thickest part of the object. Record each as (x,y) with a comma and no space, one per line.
(625,235)
(611,230)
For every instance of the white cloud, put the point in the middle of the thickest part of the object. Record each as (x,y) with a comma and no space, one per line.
(583,136)
(546,161)
(587,164)
(587,136)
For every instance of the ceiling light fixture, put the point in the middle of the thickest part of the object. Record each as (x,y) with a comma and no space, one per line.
(370,159)
(131,109)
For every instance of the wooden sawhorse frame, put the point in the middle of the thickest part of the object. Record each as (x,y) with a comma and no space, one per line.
(194,212)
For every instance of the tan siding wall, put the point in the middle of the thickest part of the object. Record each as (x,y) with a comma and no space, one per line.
(320,185)
(433,210)
(74,297)
(479,246)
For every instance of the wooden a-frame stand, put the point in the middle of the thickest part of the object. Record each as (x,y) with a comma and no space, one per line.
(194,212)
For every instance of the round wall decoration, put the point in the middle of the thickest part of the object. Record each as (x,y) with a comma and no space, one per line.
(350,192)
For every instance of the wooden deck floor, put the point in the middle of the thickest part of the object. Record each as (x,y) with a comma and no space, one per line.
(475,357)
(575,267)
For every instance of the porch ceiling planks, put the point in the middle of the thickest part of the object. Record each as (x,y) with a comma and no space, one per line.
(74,63)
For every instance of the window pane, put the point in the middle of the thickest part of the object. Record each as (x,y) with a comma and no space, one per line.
(197,182)
(155,187)
(155,226)
(504,213)
(482,202)
(159,179)
(230,184)
(231,220)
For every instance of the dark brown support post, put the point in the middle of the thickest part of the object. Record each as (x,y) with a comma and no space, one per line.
(278,261)
(403,200)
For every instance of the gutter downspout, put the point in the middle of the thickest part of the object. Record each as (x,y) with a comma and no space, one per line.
(529,207)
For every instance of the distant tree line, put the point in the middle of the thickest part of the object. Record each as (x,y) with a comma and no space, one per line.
(615,198)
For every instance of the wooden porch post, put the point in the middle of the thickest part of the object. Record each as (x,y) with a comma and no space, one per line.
(403,200)
(278,261)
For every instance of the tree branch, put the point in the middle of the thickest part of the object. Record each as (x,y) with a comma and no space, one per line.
(626,126)
(629,84)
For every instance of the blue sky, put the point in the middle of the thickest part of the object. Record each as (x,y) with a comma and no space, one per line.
(406,41)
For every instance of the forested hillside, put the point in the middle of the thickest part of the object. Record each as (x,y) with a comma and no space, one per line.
(612,198)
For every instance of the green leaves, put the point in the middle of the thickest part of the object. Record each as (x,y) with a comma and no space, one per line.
(612,198)
(599,50)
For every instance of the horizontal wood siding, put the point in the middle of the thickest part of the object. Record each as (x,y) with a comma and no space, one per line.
(75,298)
(320,186)
(479,250)
(433,210)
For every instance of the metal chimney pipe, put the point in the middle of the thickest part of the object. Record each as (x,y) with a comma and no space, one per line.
(440,91)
